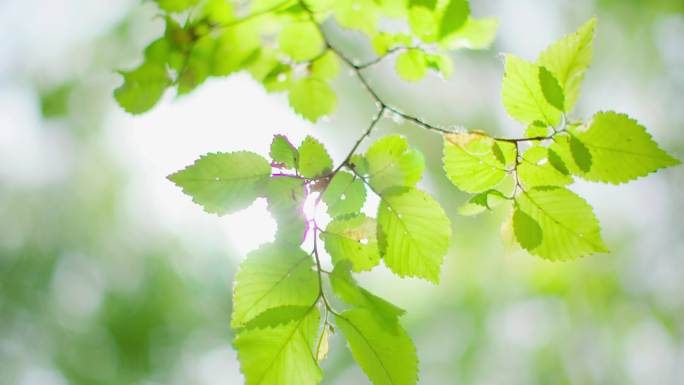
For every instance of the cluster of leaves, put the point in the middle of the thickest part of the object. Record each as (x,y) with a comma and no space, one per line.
(549,220)
(279,294)
(283,298)
(282,45)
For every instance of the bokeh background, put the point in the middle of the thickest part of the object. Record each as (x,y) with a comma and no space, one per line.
(109,275)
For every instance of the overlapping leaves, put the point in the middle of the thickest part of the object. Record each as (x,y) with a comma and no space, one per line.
(548,219)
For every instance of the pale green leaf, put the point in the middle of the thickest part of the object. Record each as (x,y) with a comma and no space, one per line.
(313,158)
(353,239)
(281,355)
(176,5)
(387,358)
(283,152)
(614,149)
(236,48)
(301,41)
(523,96)
(285,196)
(441,64)
(569,58)
(391,162)
(555,223)
(413,233)
(475,34)
(272,276)
(423,23)
(475,162)
(345,194)
(277,316)
(412,65)
(312,98)
(223,182)
(348,290)
(535,169)
(142,87)
(362,15)
(326,67)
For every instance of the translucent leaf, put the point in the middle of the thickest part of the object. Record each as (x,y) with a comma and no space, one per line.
(475,34)
(236,48)
(471,162)
(482,202)
(326,67)
(283,152)
(387,358)
(272,276)
(412,65)
(537,129)
(313,159)
(391,162)
(176,5)
(614,149)
(323,345)
(536,170)
(357,14)
(278,316)
(345,194)
(569,58)
(285,196)
(523,96)
(301,41)
(423,23)
(555,223)
(281,355)
(197,67)
(553,93)
(218,11)
(312,98)
(353,239)
(413,233)
(223,182)
(142,87)
(454,17)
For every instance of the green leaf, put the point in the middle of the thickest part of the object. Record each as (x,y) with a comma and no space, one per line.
(312,98)
(482,202)
(197,66)
(281,355)
(614,149)
(272,276)
(569,58)
(412,65)
(423,23)
(454,17)
(301,41)
(349,291)
(285,196)
(475,162)
(553,93)
(475,34)
(361,15)
(326,67)
(236,48)
(314,160)
(176,5)
(223,182)
(345,194)
(387,358)
(537,129)
(283,152)
(413,233)
(142,87)
(277,316)
(441,64)
(535,169)
(568,226)
(391,162)
(353,239)
(523,96)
